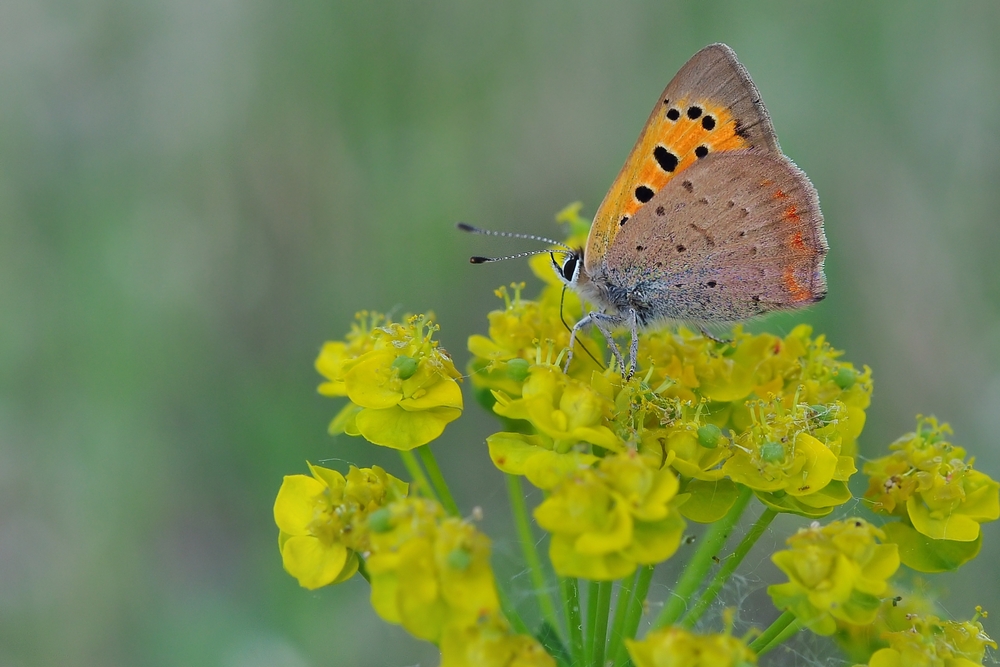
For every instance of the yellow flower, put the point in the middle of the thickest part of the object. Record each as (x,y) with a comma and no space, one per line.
(811,371)
(335,355)
(898,607)
(837,571)
(523,333)
(429,572)
(322,520)
(533,457)
(403,387)
(927,480)
(491,643)
(697,366)
(608,519)
(676,647)
(931,642)
(789,468)
(561,408)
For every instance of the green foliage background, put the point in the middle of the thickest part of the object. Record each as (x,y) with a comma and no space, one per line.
(194,195)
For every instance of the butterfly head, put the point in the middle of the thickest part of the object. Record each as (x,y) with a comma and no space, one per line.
(569,268)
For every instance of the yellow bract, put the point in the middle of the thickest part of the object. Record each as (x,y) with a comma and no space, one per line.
(676,647)
(403,388)
(608,519)
(927,481)
(322,520)
(565,410)
(428,572)
(491,643)
(837,571)
(931,642)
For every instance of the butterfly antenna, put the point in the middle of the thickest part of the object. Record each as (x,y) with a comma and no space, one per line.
(478,259)
(512,235)
(562,300)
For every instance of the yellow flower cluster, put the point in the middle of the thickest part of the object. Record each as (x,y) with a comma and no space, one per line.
(323,520)
(428,571)
(676,647)
(607,519)
(490,643)
(778,415)
(402,387)
(701,427)
(837,571)
(899,605)
(940,498)
(932,642)
(432,575)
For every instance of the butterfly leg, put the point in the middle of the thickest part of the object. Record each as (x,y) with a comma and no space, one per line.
(604,324)
(633,349)
(709,335)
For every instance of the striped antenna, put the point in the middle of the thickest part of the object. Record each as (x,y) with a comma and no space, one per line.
(465,227)
(478,259)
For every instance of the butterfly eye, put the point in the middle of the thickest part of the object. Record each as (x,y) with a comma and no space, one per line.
(569,267)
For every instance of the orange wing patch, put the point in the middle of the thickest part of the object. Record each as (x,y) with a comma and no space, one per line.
(677,135)
(798,292)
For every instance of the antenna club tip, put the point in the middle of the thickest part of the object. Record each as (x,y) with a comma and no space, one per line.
(465,227)
(478,260)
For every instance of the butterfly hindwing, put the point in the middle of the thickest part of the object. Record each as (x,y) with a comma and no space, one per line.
(710,106)
(739,234)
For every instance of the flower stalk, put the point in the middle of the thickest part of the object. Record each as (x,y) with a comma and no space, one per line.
(697,568)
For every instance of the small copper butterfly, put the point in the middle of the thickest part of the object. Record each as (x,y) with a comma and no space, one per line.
(707,223)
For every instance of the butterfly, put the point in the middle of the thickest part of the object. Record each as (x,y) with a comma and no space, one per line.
(707,223)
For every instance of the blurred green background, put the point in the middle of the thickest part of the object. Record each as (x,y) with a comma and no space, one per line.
(195,195)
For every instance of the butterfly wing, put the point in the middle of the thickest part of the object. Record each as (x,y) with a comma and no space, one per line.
(738,234)
(710,106)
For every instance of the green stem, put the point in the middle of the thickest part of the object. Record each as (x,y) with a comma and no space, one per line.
(440,486)
(729,566)
(772,632)
(600,636)
(696,569)
(634,613)
(593,588)
(528,550)
(417,475)
(571,606)
(786,634)
(618,622)
(511,612)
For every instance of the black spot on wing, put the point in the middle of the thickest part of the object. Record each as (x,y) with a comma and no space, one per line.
(664,158)
(643,193)
(673,114)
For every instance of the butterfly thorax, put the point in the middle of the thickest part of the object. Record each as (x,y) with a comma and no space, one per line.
(608,296)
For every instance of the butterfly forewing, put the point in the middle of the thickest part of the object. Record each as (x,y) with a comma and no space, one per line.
(736,235)
(711,106)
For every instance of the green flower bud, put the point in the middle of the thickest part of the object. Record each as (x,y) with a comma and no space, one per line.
(709,435)
(517,369)
(380,521)
(845,377)
(772,452)
(405,366)
(459,559)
